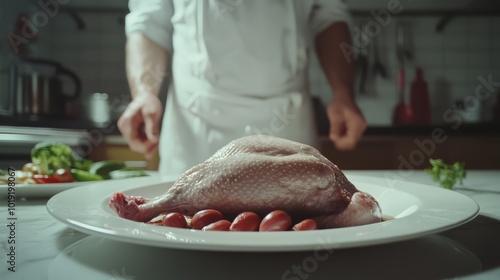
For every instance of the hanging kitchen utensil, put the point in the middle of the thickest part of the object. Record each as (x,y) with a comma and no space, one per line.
(408,42)
(378,66)
(363,70)
(400,44)
(362,64)
(402,113)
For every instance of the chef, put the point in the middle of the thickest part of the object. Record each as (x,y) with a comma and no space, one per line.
(236,68)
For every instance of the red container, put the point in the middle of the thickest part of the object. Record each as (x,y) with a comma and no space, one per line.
(403,114)
(419,100)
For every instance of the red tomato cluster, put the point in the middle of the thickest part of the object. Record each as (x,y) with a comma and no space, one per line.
(213,220)
(33,172)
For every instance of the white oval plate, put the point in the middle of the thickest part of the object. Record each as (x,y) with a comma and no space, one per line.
(416,209)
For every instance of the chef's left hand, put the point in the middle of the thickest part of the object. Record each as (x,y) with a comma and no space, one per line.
(347,123)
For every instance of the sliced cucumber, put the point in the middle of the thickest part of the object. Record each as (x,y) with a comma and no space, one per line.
(103,168)
(84,176)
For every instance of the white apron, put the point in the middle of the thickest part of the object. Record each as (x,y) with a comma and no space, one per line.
(238,68)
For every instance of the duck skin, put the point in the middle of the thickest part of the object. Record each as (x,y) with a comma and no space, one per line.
(261,174)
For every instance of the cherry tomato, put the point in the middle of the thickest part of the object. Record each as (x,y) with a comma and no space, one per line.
(64,175)
(246,221)
(205,217)
(221,225)
(277,220)
(307,224)
(45,179)
(174,219)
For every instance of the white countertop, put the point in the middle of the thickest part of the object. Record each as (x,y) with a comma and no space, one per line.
(48,249)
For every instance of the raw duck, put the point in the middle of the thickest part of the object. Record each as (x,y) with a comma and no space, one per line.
(261,174)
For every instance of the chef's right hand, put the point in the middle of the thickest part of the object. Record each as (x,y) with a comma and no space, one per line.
(139,124)
(347,123)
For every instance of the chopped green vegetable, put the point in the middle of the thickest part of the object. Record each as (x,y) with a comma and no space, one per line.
(50,156)
(82,164)
(447,175)
(84,176)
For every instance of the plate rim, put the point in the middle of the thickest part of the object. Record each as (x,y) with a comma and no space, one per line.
(40,190)
(149,235)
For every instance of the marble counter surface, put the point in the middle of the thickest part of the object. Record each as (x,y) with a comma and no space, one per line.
(48,249)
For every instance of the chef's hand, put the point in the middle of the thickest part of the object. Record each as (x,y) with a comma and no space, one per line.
(140,122)
(347,123)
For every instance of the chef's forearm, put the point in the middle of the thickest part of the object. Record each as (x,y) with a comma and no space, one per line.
(146,65)
(338,68)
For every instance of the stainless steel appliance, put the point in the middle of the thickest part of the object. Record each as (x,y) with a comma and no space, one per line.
(38,87)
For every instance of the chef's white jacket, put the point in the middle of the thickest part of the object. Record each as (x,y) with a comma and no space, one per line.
(239,67)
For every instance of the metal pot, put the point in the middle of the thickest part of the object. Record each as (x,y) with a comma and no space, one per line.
(38,88)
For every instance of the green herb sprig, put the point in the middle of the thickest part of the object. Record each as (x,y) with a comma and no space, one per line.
(447,175)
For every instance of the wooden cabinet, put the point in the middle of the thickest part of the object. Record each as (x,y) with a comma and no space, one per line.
(413,152)
(406,152)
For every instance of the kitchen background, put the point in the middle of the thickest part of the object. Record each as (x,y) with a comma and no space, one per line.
(455,43)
